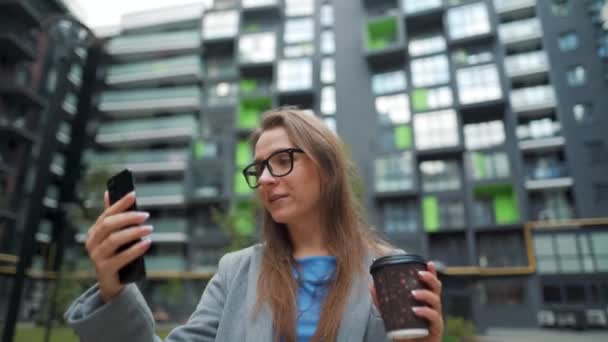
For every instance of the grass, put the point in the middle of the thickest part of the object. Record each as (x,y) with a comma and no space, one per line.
(30,333)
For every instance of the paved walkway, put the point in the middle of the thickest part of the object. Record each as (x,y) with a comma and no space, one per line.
(543,335)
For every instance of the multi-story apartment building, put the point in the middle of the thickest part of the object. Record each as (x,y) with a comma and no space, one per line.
(477,127)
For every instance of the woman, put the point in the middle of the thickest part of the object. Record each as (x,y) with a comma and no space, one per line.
(307,280)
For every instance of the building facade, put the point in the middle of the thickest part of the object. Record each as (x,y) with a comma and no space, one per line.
(476,125)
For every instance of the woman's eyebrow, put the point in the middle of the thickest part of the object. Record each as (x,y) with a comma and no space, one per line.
(259,159)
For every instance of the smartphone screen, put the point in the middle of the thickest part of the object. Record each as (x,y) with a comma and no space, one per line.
(118,186)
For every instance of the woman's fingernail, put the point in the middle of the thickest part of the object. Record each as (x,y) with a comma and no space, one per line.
(414,293)
(144,214)
(423,273)
(146,241)
(416,309)
(132,194)
(147,228)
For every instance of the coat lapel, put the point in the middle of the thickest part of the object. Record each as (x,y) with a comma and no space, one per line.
(259,327)
(356,313)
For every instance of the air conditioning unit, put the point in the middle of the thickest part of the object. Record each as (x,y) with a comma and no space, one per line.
(566,319)
(596,318)
(546,318)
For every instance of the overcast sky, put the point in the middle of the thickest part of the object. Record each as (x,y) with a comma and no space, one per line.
(96,13)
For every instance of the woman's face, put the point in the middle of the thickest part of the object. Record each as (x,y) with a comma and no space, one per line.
(294,197)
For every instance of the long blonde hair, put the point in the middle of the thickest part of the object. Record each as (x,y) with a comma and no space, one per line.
(344,232)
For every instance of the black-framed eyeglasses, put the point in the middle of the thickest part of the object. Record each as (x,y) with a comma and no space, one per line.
(279,164)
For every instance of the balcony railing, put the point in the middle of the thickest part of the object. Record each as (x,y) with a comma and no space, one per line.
(160,194)
(531,99)
(173,128)
(169,229)
(416,6)
(520,31)
(505,6)
(526,63)
(147,161)
(146,101)
(153,43)
(185,68)
(165,263)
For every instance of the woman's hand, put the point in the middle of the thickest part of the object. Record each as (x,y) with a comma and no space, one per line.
(432,297)
(107,235)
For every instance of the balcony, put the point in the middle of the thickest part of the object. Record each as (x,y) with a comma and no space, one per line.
(177,128)
(543,144)
(508,6)
(185,69)
(548,184)
(16,47)
(143,162)
(148,101)
(533,100)
(169,230)
(163,263)
(176,16)
(153,44)
(160,194)
(520,32)
(527,64)
(414,7)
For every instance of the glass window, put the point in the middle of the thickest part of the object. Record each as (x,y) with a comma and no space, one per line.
(582,112)
(451,213)
(257,47)
(434,98)
(327,15)
(388,82)
(299,7)
(426,45)
(568,41)
(472,56)
(299,30)
(576,76)
(478,84)
(560,8)
(468,20)
(299,50)
(394,173)
(294,74)
(440,175)
(502,249)
(498,292)
(395,137)
(484,134)
(328,72)
(413,6)
(400,216)
(393,108)
(220,66)
(328,44)
(328,100)
(436,129)
(488,165)
(430,71)
(220,24)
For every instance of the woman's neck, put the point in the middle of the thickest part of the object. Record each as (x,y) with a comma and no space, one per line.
(307,239)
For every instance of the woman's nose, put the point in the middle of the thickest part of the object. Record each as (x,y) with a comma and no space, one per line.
(266,177)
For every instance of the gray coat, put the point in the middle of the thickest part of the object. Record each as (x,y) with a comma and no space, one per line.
(223,313)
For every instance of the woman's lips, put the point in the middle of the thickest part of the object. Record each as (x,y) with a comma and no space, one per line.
(275,198)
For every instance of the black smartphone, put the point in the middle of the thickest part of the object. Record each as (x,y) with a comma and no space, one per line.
(118,186)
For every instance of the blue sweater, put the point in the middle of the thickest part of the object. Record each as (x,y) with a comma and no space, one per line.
(313,279)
